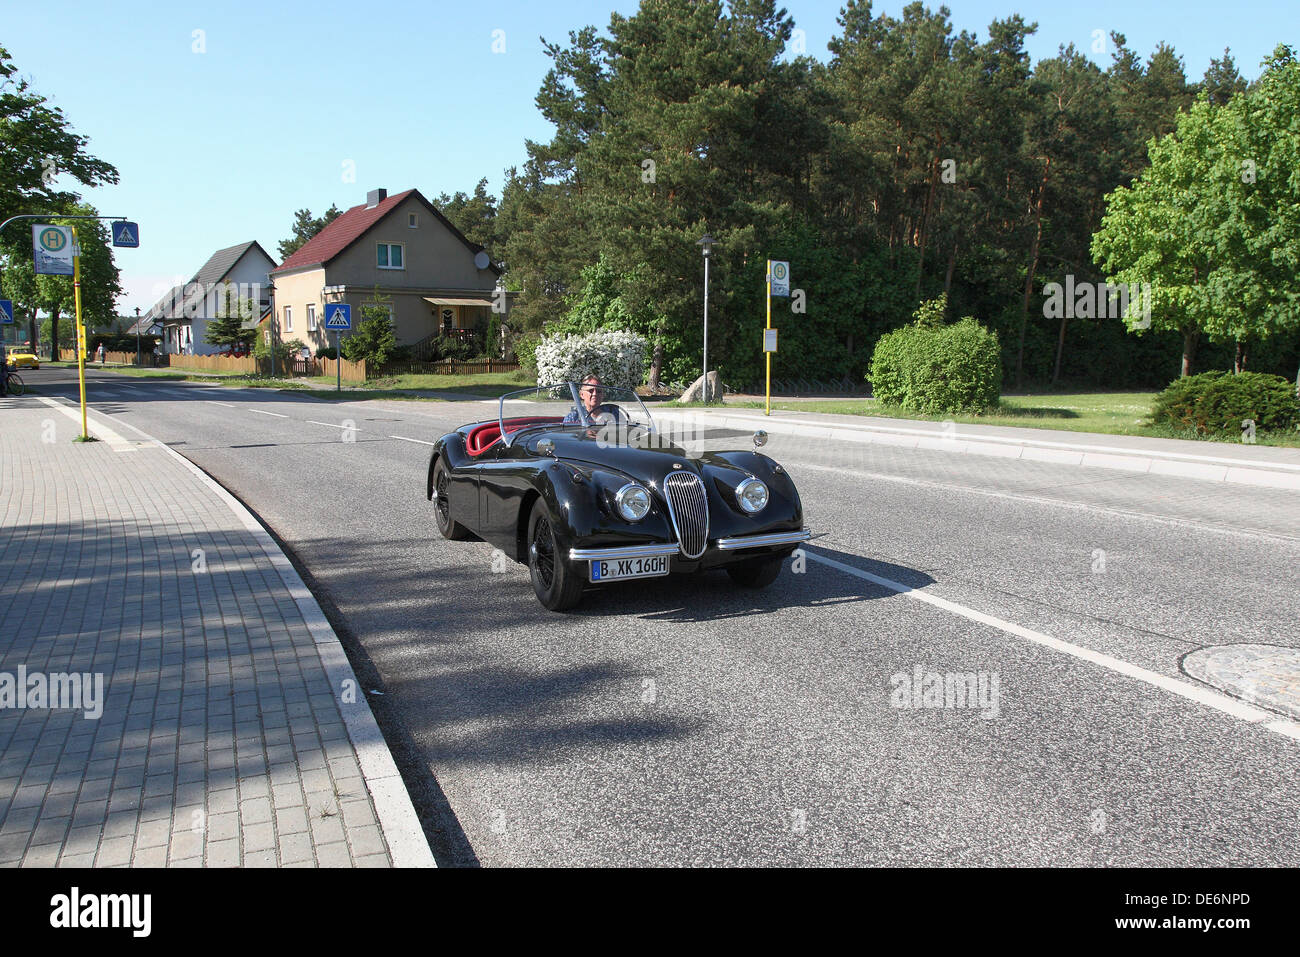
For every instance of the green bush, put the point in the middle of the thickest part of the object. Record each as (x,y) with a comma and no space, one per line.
(887,375)
(1216,403)
(937,369)
(525,350)
(372,340)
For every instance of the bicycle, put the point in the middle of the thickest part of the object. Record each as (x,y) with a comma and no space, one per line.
(15,384)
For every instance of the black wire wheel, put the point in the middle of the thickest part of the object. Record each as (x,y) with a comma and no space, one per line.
(15,384)
(558,583)
(448,528)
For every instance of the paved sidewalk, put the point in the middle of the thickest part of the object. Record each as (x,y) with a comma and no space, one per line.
(1242,463)
(230,729)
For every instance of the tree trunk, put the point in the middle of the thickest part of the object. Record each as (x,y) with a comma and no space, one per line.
(1029,279)
(54,334)
(952,262)
(1189,350)
(1239,363)
(1060,349)
(656,365)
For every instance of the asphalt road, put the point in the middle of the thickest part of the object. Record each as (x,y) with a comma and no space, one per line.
(690,722)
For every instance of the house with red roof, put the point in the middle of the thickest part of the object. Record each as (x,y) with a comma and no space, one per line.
(430,277)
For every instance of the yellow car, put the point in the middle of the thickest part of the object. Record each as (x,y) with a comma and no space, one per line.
(24,360)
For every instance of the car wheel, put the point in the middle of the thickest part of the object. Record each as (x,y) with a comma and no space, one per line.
(556,581)
(449,529)
(758,574)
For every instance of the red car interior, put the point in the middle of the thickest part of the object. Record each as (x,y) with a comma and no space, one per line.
(483,437)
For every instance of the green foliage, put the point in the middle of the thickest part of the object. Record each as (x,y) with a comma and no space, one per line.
(525,349)
(372,340)
(305,226)
(1214,223)
(936,369)
(37,145)
(227,327)
(284,351)
(1218,403)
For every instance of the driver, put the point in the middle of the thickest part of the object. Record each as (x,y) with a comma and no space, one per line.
(592,394)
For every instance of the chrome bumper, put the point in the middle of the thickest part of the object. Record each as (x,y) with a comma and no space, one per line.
(621,551)
(765,540)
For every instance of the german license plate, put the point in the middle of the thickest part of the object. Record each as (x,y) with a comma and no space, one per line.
(618,568)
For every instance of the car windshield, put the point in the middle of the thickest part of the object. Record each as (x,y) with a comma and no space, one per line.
(579,405)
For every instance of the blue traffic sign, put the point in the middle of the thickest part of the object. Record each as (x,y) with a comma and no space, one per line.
(6,310)
(338,316)
(126,234)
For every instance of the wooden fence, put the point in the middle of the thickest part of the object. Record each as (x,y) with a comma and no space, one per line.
(450,367)
(353,372)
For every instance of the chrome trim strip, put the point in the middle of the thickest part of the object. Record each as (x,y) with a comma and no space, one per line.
(761,540)
(648,550)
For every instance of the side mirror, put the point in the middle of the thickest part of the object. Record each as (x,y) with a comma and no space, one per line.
(760,439)
(546,447)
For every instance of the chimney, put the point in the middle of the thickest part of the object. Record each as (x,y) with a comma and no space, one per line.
(375,197)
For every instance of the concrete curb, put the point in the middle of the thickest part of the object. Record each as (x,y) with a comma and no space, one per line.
(407,845)
(1155,462)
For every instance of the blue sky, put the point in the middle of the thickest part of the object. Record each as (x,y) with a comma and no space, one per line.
(221,146)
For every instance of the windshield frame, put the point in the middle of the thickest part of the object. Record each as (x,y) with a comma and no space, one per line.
(626,397)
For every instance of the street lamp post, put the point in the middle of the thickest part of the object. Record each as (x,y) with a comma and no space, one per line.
(707,243)
(270,293)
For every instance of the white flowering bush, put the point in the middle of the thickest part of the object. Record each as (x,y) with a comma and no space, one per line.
(618,357)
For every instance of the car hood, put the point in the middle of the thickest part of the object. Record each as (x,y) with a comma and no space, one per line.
(646,461)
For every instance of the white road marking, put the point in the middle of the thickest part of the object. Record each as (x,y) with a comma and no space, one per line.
(226,404)
(405,439)
(334,425)
(1058,503)
(278,415)
(1213,699)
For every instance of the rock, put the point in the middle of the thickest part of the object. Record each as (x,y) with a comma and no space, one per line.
(696,392)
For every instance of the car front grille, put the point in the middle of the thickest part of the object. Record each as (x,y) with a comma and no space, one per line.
(688,507)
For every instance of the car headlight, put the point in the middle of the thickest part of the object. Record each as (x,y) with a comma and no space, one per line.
(752,495)
(632,502)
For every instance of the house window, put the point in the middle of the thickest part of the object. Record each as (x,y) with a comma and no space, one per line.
(412,221)
(390,256)
(288,318)
(311,317)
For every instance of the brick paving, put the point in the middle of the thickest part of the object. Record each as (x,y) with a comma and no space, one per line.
(223,739)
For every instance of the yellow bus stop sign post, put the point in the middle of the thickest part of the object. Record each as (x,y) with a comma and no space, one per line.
(778,284)
(81,330)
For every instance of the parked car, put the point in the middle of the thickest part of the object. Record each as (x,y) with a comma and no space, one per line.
(24,360)
(581,487)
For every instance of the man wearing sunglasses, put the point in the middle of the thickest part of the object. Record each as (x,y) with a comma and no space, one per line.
(592,396)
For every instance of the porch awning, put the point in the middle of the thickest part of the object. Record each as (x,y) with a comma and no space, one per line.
(458,300)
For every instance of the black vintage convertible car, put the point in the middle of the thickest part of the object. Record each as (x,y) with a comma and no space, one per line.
(575,481)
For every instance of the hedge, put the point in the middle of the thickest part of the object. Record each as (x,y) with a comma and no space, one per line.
(938,369)
(1217,403)
(618,358)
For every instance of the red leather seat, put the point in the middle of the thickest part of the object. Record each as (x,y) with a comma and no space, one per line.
(483,437)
